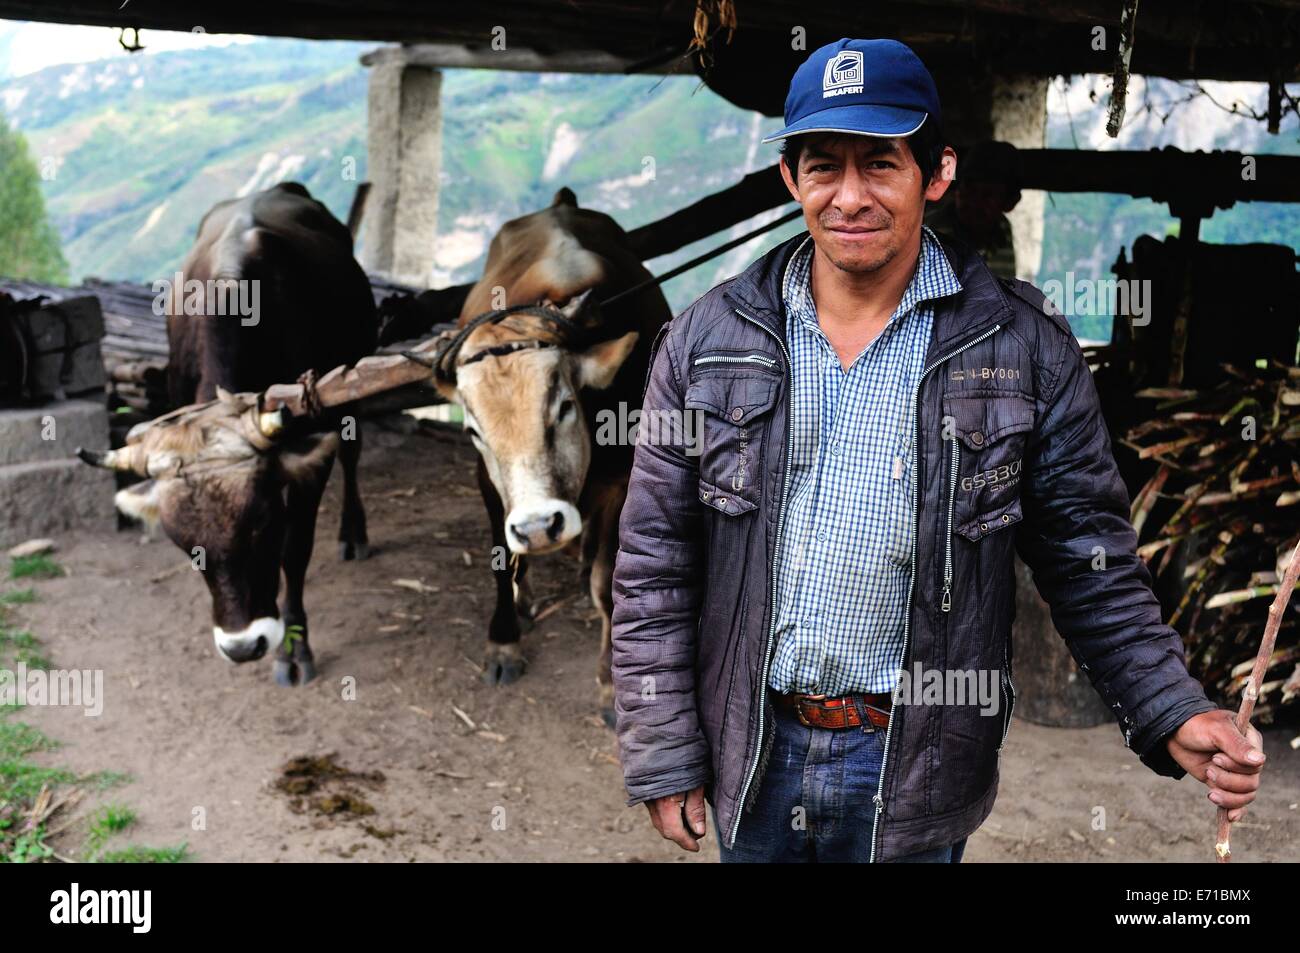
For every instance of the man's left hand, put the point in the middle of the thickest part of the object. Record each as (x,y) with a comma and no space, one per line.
(1209,747)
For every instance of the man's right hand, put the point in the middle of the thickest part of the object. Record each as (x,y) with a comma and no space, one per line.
(680,818)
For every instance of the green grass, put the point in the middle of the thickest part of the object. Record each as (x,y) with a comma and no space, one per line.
(104,823)
(25,848)
(24,647)
(35,567)
(106,780)
(20,782)
(136,854)
(18,739)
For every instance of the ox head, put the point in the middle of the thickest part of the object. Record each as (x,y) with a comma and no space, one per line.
(216,480)
(520,383)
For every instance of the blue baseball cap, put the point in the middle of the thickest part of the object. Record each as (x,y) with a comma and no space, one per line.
(864,87)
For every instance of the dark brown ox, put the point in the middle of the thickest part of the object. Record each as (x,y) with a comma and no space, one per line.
(533,392)
(236,489)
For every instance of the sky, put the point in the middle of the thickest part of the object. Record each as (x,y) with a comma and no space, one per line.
(29,47)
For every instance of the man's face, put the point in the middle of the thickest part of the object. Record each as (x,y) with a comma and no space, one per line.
(863,198)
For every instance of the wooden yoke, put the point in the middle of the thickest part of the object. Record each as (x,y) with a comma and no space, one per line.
(343,385)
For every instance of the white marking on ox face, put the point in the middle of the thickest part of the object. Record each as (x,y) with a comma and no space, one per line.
(543,525)
(140,502)
(264,635)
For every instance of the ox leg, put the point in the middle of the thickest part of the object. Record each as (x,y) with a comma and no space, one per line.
(605,530)
(294,664)
(503,661)
(353,542)
(523,594)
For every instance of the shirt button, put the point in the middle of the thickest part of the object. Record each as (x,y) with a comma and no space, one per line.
(821,535)
(835,448)
(976,438)
(737,413)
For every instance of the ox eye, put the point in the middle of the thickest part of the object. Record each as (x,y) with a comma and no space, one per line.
(567,409)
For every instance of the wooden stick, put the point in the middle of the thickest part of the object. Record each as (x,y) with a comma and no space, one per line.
(343,385)
(1222,850)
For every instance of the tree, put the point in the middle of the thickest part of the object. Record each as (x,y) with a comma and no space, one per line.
(29,245)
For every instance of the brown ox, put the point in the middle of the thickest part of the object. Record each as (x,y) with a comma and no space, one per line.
(533,394)
(238,491)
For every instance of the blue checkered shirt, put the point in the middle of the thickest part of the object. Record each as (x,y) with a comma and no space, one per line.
(845,561)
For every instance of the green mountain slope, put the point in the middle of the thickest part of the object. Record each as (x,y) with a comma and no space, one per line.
(135,149)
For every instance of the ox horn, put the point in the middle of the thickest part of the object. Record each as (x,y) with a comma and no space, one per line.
(128,460)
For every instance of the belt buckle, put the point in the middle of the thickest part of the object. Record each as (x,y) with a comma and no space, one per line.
(800,700)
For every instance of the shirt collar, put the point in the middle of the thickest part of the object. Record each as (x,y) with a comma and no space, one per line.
(934,278)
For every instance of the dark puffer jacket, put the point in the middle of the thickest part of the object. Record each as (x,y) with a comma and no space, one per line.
(1030,471)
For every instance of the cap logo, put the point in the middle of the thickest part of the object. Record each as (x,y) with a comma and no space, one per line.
(843,74)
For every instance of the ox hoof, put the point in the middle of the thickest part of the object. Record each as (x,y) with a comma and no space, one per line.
(291,673)
(503,664)
(608,716)
(350,550)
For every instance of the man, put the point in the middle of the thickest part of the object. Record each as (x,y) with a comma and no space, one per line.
(882,424)
(975,209)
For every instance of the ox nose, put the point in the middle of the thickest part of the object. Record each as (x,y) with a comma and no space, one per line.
(245,652)
(541,529)
(249,644)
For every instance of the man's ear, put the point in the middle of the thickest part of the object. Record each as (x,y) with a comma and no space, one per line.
(944,175)
(788,176)
(597,365)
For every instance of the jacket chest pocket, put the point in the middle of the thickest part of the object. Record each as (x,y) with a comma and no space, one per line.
(986,459)
(731,413)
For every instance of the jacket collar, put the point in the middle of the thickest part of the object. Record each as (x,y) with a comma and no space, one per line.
(757,291)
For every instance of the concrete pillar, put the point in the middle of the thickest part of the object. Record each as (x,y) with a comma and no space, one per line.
(405,161)
(1019,113)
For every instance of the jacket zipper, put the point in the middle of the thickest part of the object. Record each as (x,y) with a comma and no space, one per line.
(911,585)
(1011,702)
(748,359)
(776,549)
(946,603)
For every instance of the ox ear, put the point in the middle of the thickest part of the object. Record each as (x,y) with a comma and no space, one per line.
(598,364)
(140,502)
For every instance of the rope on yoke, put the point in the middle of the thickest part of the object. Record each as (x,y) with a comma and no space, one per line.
(310,395)
(443,361)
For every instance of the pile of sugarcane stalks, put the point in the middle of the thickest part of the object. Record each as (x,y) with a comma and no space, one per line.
(1218,519)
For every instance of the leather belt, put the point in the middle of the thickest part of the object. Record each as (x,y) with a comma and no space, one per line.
(861,710)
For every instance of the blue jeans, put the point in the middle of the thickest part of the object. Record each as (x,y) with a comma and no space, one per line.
(815,801)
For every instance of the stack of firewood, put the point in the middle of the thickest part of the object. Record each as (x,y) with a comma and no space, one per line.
(1218,519)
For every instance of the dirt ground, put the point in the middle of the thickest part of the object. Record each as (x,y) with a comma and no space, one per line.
(536,778)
